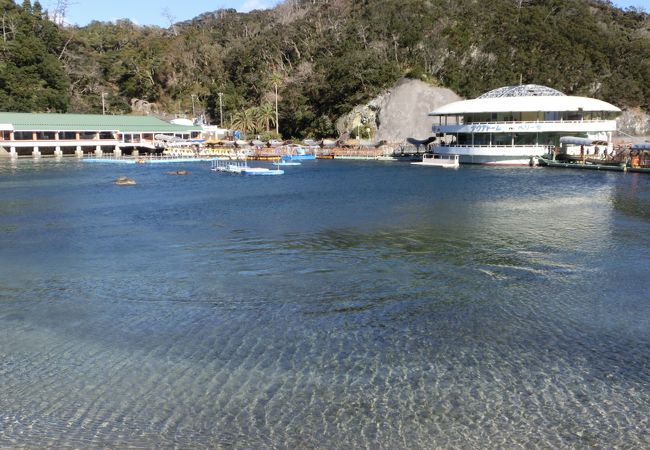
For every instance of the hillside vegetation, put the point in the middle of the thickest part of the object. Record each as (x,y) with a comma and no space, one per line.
(322,57)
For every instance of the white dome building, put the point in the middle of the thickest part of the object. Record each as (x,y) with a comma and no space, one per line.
(513,125)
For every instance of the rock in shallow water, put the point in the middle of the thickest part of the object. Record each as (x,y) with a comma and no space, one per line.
(124,181)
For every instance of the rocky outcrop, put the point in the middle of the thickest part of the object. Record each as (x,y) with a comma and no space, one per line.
(361,122)
(144,107)
(404,111)
(125,181)
(398,114)
(634,122)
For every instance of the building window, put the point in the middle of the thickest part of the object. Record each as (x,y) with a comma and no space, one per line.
(87,135)
(68,135)
(525,139)
(23,136)
(502,139)
(552,116)
(45,135)
(480,139)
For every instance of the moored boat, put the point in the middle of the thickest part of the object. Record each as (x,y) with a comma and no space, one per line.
(437,160)
(242,168)
(297,153)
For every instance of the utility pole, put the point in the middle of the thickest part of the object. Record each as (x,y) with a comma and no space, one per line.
(220,110)
(193,110)
(103,103)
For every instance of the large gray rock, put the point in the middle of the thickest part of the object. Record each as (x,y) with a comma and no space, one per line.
(403,112)
(634,122)
(398,114)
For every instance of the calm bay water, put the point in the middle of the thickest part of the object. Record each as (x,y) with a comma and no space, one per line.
(342,305)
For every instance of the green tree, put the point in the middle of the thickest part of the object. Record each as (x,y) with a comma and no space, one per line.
(266,115)
(244,120)
(276,80)
(31,76)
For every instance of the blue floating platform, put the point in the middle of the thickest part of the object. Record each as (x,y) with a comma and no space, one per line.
(261,171)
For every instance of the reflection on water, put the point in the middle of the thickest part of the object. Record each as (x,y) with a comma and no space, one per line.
(342,305)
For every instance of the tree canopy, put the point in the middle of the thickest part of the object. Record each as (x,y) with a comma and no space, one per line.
(321,57)
(31,75)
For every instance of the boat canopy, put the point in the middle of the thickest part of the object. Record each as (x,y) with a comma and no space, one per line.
(581,141)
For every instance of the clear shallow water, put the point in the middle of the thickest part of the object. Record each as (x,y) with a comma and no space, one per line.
(342,305)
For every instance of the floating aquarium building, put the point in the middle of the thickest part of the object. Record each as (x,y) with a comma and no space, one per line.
(514,125)
(24,134)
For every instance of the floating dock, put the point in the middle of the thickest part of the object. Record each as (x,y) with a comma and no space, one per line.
(622,167)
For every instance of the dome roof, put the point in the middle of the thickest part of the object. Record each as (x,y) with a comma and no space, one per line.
(522,98)
(522,90)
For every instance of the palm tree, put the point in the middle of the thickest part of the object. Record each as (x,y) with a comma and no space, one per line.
(266,115)
(276,79)
(245,120)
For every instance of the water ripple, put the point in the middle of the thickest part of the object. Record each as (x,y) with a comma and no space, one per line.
(471,309)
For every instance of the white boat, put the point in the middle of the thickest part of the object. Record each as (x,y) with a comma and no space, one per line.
(242,168)
(261,171)
(435,160)
(515,125)
(287,162)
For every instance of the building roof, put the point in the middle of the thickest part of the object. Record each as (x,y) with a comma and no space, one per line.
(525,98)
(522,90)
(90,122)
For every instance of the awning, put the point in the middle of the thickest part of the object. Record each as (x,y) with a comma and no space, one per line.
(645,146)
(581,141)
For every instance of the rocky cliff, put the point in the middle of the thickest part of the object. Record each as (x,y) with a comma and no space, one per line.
(398,114)
(634,124)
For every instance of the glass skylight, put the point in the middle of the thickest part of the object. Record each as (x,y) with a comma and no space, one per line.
(522,90)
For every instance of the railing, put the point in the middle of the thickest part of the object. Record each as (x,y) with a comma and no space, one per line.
(550,147)
(146,157)
(523,122)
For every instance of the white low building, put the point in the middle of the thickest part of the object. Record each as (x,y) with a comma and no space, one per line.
(513,125)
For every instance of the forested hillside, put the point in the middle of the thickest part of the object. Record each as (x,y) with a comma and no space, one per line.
(321,56)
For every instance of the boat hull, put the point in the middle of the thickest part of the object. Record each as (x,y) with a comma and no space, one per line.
(445,165)
(494,156)
(437,160)
(300,157)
